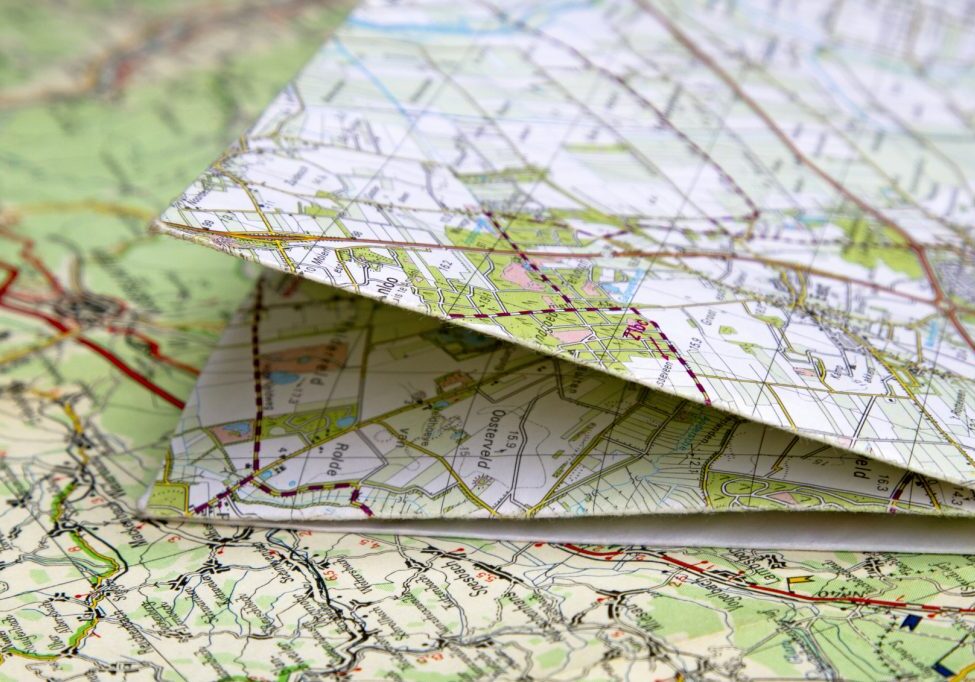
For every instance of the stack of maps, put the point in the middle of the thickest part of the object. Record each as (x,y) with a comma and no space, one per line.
(619,340)
(638,294)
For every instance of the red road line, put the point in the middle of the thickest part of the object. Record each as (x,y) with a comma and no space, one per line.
(528,261)
(132,374)
(681,360)
(814,598)
(587,552)
(105,353)
(785,593)
(659,349)
(256,365)
(12,274)
(258,409)
(155,349)
(27,253)
(54,322)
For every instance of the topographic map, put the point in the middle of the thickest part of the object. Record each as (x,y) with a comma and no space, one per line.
(765,210)
(319,404)
(107,109)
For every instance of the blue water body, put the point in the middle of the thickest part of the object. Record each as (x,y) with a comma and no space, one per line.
(240,428)
(822,75)
(811,220)
(457,28)
(462,27)
(932,338)
(684,444)
(337,44)
(440,404)
(480,225)
(345,422)
(386,92)
(625,296)
(282,377)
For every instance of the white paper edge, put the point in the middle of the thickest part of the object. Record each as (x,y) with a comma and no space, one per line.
(822,531)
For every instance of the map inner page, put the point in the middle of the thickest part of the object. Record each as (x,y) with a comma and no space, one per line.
(322,405)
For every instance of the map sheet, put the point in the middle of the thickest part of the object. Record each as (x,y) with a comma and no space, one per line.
(665,267)
(108,109)
(766,211)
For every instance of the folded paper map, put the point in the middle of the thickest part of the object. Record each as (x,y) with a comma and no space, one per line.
(659,267)
(109,109)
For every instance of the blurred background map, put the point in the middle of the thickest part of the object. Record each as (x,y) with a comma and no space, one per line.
(107,110)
